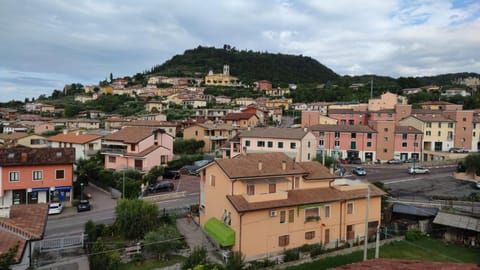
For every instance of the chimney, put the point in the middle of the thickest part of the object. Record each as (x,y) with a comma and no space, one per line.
(24,157)
(260,165)
(284,165)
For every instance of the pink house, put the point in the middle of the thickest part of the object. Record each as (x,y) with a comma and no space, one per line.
(348,116)
(346,141)
(408,142)
(140,148)
(382,115)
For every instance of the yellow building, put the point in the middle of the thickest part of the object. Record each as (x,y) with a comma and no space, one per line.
(222,79)
(261,204)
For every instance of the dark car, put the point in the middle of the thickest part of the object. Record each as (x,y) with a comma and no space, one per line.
(83,205)
(171,175)
(164,186)
(355,161)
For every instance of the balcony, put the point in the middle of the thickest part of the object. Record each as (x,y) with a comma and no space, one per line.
(216,138)
(264,197)
(113,150)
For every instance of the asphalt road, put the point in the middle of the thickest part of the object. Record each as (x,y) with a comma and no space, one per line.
(74,224)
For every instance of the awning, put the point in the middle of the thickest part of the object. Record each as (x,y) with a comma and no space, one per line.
(313,205)
(40,189)
(63,188)
(219,232)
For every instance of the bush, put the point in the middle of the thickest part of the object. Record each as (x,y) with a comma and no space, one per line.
(305,248)
(316,249)
(413,235)
(290,255)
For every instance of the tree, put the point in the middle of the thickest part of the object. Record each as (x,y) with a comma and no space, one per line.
(135,217)
(472,164)
(8,258)
(153,174)
(236,261)
(163,241)
(101,258)
(197,257)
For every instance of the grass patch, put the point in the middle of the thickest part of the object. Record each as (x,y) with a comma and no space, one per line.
(152,263)
(422,250)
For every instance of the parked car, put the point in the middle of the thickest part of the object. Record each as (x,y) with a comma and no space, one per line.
(418,170)
(194,169)
(412,160)
(355,161)
(55,208)
(164,186)
(83,205)
(171,174)
(360,171)
(395,161)
(458,150)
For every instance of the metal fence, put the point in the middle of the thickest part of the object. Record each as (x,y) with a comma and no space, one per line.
(53,244)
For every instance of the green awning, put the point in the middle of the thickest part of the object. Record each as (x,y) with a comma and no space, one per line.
(313,205)
(220,232)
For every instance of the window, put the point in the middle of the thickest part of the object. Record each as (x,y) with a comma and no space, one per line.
(385,150)
(283,217)
(270,144)
(247,143)
(132,147)
(450,125)
(369,135)
(415,144)
(439,125)
(280,144)
(296,182)
(350,208)
(464,119)
(212,180)
(337,143)
(351,122)
(429,125)
(385,129)
(308,144)
(59,174)
(404,136)
(353,145)
(321,142)
(112,159)
(439,133)
(291,216)
(385,139)
(37,175)
(283,240)
(327,211)
(312,214)
(250,189)
(428,133)
(260,144)
(322,134)
(14,176)
(309,235)
(353,135)
(369,144)
(337,134)
(464,129)
(404,144)
(308,156)
(272,188)
(293,145)
(343,122)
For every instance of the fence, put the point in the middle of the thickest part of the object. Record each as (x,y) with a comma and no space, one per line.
(69,242)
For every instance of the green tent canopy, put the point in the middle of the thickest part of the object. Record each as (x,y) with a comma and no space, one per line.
(220,232)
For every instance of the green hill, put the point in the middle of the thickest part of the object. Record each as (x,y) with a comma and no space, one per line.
(249,66)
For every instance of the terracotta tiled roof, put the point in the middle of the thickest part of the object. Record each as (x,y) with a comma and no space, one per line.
(432,118)
(343,128)
(436,103)
(302,197)
(74,138)
(36,156)
(27,220)
(316,171)
(398,264)
(239,116)
(130,134)
(210,126)
(13,136)
(274,133)
(151,123)
(144,152)
(9,241)
(407,129)
(245,166)
(344,111)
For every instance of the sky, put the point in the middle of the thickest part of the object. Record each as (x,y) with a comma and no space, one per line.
(47,44)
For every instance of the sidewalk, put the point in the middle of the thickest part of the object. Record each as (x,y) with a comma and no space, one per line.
(195,237)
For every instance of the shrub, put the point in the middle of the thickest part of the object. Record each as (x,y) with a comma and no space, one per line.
(316,249)
(413,235)
(290,255)
(305,248)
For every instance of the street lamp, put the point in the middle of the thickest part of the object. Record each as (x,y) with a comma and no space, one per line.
(81,191)
(123,185)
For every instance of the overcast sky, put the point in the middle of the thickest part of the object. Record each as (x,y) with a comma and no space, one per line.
(47,44)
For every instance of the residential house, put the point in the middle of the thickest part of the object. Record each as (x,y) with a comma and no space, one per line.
(139,148)
(283,102)
(242,120)
(476,133)
(438,130)
(214,135)
(22,225)
(169,127)
(271,199)
(85,145)
(8,114)
(318,106)
(299,106)
(223,100)
(36,175)
(386,101)
(14,127)
(345,141)
(194,103)
(263,114)
(408,143)
(43,127)
(385,141)
(22,139)
(440,105)
(152,117)
(156,105)
(456,91)
(382,115)
(296,143)
(244,101)
(348,116)
(463,127)
(277,92)
(411,91)
(214,115)
(92,114)
(77,123)
(263,85)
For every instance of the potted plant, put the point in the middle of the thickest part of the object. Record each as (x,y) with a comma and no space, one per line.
(138,258)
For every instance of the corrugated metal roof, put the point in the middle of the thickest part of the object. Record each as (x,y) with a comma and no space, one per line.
(458,221)
(414,210)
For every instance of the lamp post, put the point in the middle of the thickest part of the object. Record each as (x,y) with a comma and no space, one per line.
(414,152)
(81,191)
(123,184)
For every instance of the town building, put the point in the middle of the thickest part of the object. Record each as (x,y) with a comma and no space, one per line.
(243,119)
(36,175)
(85,145)
(215,135)
(222,79)
(261,204)
(139,148)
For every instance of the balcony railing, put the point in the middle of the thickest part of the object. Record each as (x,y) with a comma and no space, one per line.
(279,195)
(109,150)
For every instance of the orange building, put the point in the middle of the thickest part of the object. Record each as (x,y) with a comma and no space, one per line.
(261,204)
(36,175)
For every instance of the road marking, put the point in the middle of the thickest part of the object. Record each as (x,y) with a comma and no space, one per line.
(402,180)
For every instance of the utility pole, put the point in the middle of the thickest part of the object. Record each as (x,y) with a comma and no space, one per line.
(377,242)
(371,87)
(365,242)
